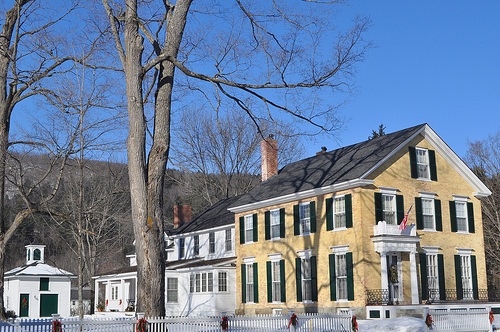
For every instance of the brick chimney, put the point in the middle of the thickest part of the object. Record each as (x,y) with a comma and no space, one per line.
(182,215)
(269,157)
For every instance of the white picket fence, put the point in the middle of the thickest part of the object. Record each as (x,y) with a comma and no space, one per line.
(309,323)
(461,320)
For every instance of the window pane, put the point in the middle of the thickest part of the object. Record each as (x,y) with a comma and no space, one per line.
(462,223)
(305,215)
(211,243)
(428,213)
(422,163)
(229,244)
(249,228)
(275,224)
(250,284)
(339,212)
(306,280)
(389,208)
(172,293)
(341,276)
(276,285)
(222,282)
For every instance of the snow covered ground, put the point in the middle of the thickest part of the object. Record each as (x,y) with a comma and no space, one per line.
(400,324)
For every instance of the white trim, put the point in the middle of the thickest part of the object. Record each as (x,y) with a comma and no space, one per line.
(342,249)
(431,249)
(203,231)
(428,195)
(447,153)
(305,254)
(388,190)
(274,257)
(460,198)
(302,195)
(464,251)
(249,260)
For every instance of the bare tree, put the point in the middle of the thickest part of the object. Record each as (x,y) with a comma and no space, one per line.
(223,152)
(483,157)
(33,38)
(282,55)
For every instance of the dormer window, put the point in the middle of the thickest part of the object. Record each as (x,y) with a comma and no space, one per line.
(423,164)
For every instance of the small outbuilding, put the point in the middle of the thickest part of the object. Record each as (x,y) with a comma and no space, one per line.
(37,289)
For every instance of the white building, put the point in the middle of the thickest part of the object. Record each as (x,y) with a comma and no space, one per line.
(37,289)
(199,272)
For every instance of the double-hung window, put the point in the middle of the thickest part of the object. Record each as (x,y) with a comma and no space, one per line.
(222,284)
(229,241)
(428,213)
(306,280)
(211,243)
(250,283)
(201,282)
(275,224)
(389,208)
(305,218)
(461,213)
(339,212)
(196,245)
(466,277)
(276,281)
(249,228)
(432,276)
(181,247)
(422,163)
(341,276)
(172,290)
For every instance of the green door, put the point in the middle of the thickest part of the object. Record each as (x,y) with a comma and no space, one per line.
(24,306)
(48,305)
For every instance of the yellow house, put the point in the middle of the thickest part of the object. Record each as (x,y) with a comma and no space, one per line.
(325,234)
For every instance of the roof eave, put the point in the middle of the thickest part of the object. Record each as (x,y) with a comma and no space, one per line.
(302,195)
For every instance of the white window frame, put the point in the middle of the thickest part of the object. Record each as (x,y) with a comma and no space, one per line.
(172,290)
(389,208)
(461,216)
(222,285)
(274,223)
(196,245)
(201,282)
(341,276)
(428,213)
(306,274)
(250,285)
(339,212)
(423,165)
(228,240)
(249,228)
(432,276)
(182,247)
(211,243)
(276,281)
(114,291)
(305,218)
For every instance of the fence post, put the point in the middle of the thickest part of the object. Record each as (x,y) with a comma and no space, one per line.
(292,323)
(56,323)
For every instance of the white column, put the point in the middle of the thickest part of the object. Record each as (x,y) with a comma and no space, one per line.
(122,296)
(413,278)
(383,271)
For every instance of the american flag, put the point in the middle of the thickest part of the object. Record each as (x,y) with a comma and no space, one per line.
(402,226)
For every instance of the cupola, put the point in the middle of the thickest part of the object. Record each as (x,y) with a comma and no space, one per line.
(34,253)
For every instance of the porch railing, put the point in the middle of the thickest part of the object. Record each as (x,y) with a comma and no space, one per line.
(382,296)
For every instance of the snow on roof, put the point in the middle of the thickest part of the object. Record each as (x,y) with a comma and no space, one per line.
(37,269)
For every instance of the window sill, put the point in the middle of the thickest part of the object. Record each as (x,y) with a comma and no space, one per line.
(429,230)
(339,229)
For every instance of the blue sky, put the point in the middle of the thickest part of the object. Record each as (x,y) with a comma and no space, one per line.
(435,62)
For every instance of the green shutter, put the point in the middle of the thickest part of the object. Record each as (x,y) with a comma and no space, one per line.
(242,230)
(470,217)
(282,223)
(333,277)
(255,283)
(419,214)
(296,220)
(44,284)
(453,216)
(243,283)
(442,282)
(267,225)
(423,276)
(458,277)
(312,215)
(437,215)
(282,281)
(473,268)
(400,208)
(269,282)
(298,278)
(413,162)
(350,276)
(348,210)
(314,279)
(255,224)
(432,164)
(379,212)
(329,214)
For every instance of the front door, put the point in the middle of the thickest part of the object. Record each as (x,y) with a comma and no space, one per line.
(394,275)
(48,305)
(24,305)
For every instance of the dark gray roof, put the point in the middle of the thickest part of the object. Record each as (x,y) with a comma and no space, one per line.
(215,216)
(333,167)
